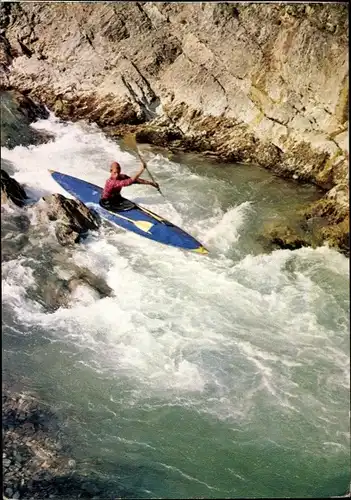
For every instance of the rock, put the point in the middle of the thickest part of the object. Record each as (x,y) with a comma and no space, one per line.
(73,219)
(18,111)
(12,190)
(276,89)
(8,166)
(19,457)
(85,277)
(19,477)
(335,230)
(278,235)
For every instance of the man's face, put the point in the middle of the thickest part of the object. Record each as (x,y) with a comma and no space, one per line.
(115,170)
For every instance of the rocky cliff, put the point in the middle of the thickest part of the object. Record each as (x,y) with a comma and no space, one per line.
(263,83)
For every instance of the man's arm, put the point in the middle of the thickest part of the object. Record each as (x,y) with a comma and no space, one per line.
(143,181)
(138,180)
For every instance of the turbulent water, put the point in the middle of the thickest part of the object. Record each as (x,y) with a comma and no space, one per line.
(203,376)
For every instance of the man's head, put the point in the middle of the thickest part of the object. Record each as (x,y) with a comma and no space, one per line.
(115,169)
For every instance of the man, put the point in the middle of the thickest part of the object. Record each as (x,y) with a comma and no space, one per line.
(111,196)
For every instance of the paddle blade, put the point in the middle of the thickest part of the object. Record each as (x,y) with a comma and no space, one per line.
(130,141)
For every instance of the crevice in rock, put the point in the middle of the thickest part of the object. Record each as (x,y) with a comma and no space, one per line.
(136,99)
(145,14)
(276,120)
(154,101)
(26,51)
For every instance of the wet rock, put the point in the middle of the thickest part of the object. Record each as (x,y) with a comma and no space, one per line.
(8,166)
(73,219)
(55,294)
(12,246)
(22,452)
(85,277)
(338,236)
(18,111)
(279,235)
(12,190)
(109,111)
(336,229)
(159,136)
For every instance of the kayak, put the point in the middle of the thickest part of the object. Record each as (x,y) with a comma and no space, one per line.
(131,217)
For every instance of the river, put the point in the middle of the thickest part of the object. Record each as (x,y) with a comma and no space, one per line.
(219,376)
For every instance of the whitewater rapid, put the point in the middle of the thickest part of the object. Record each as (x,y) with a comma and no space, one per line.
(256,343)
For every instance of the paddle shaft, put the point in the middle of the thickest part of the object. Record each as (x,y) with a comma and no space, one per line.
(131,141)
(148,171)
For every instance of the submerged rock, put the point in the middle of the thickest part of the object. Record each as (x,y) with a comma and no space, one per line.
(73,219)
(12,190)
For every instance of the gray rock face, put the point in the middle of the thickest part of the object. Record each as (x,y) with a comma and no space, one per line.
(282,70)
(73,218)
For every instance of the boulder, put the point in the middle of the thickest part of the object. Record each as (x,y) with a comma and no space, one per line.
(84,277)
(336,228)
(58,292)
(18,111)
(73,219)
(12,190)
(279,235)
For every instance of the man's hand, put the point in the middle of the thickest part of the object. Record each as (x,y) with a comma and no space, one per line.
(155,185)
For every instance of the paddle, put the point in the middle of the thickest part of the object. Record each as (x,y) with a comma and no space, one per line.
(130,141)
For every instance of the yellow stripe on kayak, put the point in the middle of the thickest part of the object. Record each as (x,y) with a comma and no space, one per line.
(143,225)
(201,250)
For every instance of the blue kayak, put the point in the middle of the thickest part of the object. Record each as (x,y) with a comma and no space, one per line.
(137,219)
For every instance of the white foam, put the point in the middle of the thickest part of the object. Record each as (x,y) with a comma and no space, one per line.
(224,228)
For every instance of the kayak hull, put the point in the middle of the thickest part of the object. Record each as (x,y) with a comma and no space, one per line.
(137,219)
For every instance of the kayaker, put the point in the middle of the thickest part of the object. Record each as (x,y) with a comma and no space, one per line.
(111,195)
